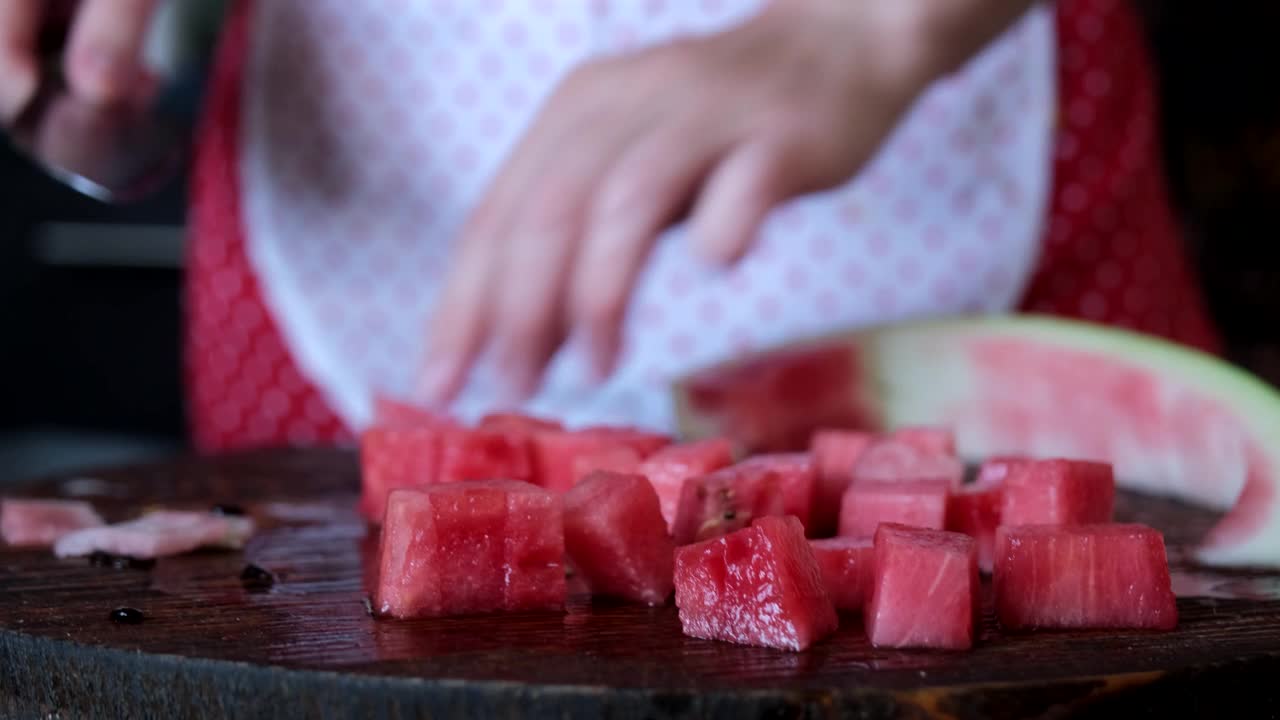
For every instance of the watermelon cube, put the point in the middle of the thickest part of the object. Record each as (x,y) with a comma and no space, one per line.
(562,456)
(891,460)
(758,586)
(933,440)
(926,592)
(1058,492)
(615,459)
(847,566)
(616,537)
(797,481)
(725,501)
(517,423)
(918,503)
(392,458)
(834,454)
(668,468)
(1083,576)
(483,455)
(392,413)
(996,469)
(470,547)
(974,510)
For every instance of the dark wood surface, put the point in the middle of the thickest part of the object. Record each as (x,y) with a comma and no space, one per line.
(306,647)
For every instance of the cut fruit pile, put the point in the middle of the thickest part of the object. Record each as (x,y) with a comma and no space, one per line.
(746,543)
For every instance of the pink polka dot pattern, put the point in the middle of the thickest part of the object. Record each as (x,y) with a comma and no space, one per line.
(1114,254)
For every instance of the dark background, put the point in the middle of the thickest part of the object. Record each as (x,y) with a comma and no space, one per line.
(91,367)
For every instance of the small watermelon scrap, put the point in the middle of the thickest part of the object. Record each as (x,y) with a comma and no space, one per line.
(975,511)
(470,547)
(1058,492)
(797,481)
(1083,576)
(926,592)
(31,523)
(758,586)
(725,501)
(892,459)
(848,566)
(834,454)
(668,469)
(918,503)
(616,537)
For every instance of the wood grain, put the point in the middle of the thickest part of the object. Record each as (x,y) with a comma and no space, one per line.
(305,647)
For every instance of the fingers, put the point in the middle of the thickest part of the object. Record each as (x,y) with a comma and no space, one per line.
(643,193)
(752,180)
(104,56)
(19,67)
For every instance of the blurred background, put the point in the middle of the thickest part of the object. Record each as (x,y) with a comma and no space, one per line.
(91,295)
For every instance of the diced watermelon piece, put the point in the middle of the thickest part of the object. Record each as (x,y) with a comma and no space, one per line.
(890,459)
(389,412)
(1058,492)
(615,534)
(392,458)
(758,586)
(557,453)
(975,511)
(834,454)
(797,480)
(918,503)
(517,422)
(933,440)
(470,547)
(996,469)
(668,468)
(483,455)
(1083,576)
(616,459)
(848,566)
(31,523)
(725,501)
(926,591)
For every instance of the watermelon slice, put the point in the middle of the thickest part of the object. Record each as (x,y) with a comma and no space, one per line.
(797,480)
(617,539)
(758,586)
(834,454)
(918,503)
(1083,576)
(894,459)
(1171,420)
(847,566)
(975,511)
(668,468)
(926,592)
(1058,492)
(470,547)
(725,501)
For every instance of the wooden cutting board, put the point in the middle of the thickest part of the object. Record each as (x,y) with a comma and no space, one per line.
(306,647)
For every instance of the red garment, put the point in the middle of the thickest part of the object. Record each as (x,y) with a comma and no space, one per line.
(1112,251)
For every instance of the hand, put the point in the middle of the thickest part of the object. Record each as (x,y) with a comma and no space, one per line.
(102,56)
(721,128)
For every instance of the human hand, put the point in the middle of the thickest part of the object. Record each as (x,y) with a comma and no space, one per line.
(720,129)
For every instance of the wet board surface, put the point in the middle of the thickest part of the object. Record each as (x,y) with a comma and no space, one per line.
(306,647)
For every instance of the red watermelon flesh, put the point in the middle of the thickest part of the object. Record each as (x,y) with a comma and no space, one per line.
(926,592)
(1083,576)
(644,442)
(1058,492)
(934,440)
(392,413)
(470,547)
(757,586)
(615,534)
(725,501)
(797,481)
(483,455)
(995,470)
(847,566)
(559,456)
(616,459)
(917,503)
(518,423)
(890,459)
(668,468)
(975,511)
(392,458)
(834,454)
